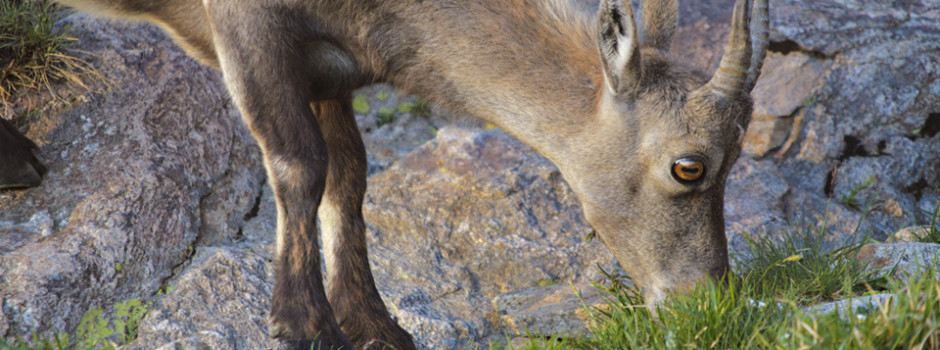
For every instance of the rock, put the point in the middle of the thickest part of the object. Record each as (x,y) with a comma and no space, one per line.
(858,307)
(786,84)
(888,185)
(912,233)
(829,219)
(16,234)
(843,82)
(392,125)
(848,91)
(882,81)
(466,217)
(760,201)
(141,170)
(754,197)
(929,206)
(220,302)
(260,231)
(191,343)
(831,27)
(908,257)
(702,33)
(560,310)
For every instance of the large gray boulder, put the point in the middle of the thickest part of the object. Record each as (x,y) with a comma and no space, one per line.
(147,164)
(847,108)
(876,110)
(466,217)
(222,301)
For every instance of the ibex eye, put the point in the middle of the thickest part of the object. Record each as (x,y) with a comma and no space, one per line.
(688,169)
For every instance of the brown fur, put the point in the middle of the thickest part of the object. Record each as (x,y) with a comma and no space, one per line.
(611,111)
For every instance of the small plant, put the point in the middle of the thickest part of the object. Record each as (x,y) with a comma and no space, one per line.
(849,200)
(57,341)
(382,95)
(98,329)
(386,116)
(932,234)
(547,282)
(418,107)
(760,306)
(810,100)
(405,107)
(909,320)
(712,316)
(33,48)
(360,104)
(422,107)
(798,264)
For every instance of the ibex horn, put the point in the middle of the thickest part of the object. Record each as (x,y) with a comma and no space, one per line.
(732,74)
(761,29)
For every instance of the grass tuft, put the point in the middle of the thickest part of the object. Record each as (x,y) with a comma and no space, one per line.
(910,320)
(712,316)
(932,234)
(762,306)
(797,264)
(98,329)
(33,49)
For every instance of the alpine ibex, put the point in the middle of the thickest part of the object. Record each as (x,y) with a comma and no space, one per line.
(645,143)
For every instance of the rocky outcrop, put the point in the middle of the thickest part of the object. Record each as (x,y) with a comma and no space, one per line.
(468,216)
(149,165)
(905,259)
(560,310)
(847,109)
(567,310)
(154,183)
(238,283)
(871,116)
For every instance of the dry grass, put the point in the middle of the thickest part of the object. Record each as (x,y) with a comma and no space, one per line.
(34,49)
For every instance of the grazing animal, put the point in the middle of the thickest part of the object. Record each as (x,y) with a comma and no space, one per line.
(645,143)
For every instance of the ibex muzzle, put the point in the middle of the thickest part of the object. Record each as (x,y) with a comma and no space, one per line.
(646,144)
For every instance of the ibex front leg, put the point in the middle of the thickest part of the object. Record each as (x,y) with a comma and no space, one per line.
(359,308)
(270,83)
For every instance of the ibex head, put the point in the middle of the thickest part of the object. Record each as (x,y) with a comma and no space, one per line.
(679,132)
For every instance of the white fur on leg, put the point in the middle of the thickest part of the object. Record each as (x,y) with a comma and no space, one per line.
(331,227)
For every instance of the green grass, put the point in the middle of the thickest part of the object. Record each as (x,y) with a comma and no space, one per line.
(850,199)
(386,116)
(932,234)
(418,107)
(98,330)
(761,306)
(911,321)
(797,265)
(33,49)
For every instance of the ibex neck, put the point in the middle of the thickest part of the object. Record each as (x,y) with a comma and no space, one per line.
(529,67)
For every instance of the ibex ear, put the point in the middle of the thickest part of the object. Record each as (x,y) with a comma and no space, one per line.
(660,18)
(618,45)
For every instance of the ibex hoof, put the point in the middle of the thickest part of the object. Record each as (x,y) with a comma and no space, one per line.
(27,175)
